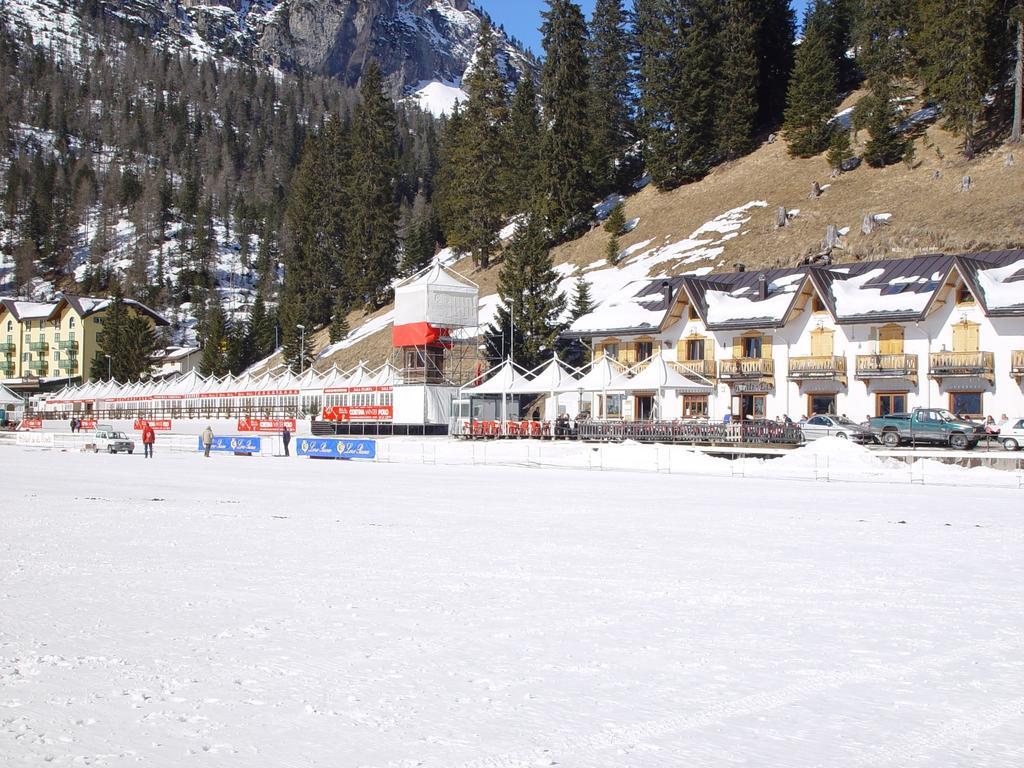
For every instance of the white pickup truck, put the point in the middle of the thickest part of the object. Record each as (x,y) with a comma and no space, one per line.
(108,439)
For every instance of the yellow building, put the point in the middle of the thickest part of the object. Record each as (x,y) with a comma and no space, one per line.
(56,339)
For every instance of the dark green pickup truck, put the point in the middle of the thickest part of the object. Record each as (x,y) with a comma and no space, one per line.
(926,425)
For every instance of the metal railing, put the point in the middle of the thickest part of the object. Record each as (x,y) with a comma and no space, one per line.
(67,344)
(961,364)
(746,432)
(817,367)
(39,346)
(7,348)
(880,366)
(746,367)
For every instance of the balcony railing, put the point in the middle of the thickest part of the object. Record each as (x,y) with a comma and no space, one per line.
(949,364)
(38,367)
(1017,364)
(746,368)
(887,367)
(39,346)
(705,368)
(68,344)
(7,369)
(7,348)
(830,367)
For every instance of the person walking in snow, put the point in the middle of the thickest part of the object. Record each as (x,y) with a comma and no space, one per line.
(207,441)
(286,438)
(148,438)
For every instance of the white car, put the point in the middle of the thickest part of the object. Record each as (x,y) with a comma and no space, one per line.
(834,426)
(110,440)
(1012,435)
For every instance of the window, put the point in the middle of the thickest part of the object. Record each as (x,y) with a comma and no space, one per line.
(695,406)
(71,322)
(817,305)
(692,313)
(821,404)
(414,358)
(695,349)
(644,350)
(56,356)
(752,346)
(966,404)
(10,326)
(964,295)
(615,405)
(612,351)
(890,402)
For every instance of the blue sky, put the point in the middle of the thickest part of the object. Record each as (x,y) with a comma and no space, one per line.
(522,17)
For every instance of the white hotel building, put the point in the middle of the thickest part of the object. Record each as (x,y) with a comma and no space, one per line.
(861,339)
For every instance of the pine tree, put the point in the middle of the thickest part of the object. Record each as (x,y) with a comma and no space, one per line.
(260,329)
(565,94)
(610,94)
(812,95)
(523,179)
(612,250)
(615,224)
(528,289)
(128,339)
(472,193)
(737,110)
(214,336)
(582,303)
(139,346)
(956,45)
(880,34)
(839,148)
(372,241)
(885,145)
(339,323)
(697,96)
(776,30)
(657,84)
(296,345)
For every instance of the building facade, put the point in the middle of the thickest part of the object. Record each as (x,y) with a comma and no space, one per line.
(59,339)
(863,339)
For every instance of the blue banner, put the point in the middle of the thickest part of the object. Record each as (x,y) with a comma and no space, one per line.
(336,448)
(233,444)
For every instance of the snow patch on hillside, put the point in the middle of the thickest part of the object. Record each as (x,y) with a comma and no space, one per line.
(438,97)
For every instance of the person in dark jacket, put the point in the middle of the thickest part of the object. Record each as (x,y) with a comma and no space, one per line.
(286,438)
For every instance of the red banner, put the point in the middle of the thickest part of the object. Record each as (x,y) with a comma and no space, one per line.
(87,424)
(158,425)
(358,413)
(265,425)
(31,424)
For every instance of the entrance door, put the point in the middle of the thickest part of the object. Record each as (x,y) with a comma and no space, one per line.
(752,407)
(644,407)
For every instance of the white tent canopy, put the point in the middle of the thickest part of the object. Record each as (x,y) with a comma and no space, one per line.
(555,376)
(504,380)
(9,398)
(659,375)
(601,377)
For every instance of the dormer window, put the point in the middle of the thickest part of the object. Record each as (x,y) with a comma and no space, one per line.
(964,295)
(817,305)
(692,314)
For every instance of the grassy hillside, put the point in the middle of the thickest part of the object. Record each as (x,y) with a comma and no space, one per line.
(929,213)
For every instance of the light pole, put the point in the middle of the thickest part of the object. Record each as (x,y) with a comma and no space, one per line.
(302,347)
(108,366)
(512,337)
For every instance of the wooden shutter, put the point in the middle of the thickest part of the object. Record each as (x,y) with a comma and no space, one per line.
(709,348)
(821,343)
(966,337)
(737,347)
(890,340)
(766,347)
(681,351)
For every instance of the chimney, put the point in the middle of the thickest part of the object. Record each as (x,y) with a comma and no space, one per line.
(762,286)
(666,288)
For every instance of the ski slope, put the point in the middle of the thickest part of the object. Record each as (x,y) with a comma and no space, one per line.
(289,612)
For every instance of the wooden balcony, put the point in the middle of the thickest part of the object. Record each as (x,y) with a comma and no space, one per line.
(1017,364)
(887,367)
(946,365)
(705,368)
(824,368)
(746,368)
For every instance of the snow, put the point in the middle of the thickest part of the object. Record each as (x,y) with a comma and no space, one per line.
(854,299)
(439,97)
(513,616)
(999,293)
(724,307)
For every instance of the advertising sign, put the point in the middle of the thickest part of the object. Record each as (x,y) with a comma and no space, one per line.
(35,439)
(265,425)
(336,448)
(158,425)
(87,424)
(358,413)
(31,424)
(233,444)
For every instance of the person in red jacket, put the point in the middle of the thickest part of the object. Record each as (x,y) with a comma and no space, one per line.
(148,438)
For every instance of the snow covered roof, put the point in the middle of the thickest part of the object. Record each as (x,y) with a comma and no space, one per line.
(28,310)
(640,307)
(997,280)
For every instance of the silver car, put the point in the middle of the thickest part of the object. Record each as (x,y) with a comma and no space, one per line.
(835,426)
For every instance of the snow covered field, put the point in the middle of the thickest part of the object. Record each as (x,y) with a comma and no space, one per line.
(272,612)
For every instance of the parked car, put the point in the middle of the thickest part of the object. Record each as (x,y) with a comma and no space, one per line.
(835,426)
(1012,435)
(927,425)
(110,440)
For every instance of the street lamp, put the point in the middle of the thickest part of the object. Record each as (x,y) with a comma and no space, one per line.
(108,366)
(302,347)
(512,337)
